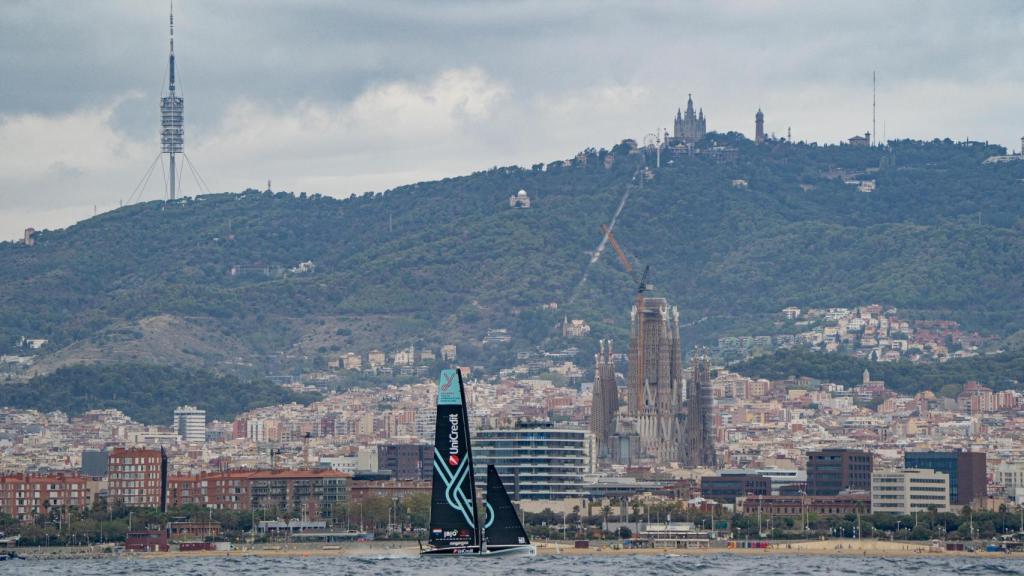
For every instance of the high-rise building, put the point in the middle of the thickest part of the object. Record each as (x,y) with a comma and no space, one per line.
(699,440)
(908,491)
(759,127)
(138,477)
(968,479)
(836,470)
(536,461)
(190,423)
(656,381)
(605,399)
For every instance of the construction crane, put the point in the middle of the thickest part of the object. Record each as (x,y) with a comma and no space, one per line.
(618,249)
(642,286)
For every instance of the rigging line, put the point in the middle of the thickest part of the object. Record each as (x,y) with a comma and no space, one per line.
(192,169)
(208,190)
(196,170)
(207,186)
(131,196)
(148,176)
(181,172)
(145,178)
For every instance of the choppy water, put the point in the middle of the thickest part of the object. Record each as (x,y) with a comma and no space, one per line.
(639,565)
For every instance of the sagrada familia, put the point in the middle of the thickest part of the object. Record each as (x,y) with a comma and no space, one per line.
(667,416)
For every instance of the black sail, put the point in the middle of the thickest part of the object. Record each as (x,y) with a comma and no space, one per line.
(453,516)
(502,525)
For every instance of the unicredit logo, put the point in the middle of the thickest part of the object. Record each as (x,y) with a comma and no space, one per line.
(453,439)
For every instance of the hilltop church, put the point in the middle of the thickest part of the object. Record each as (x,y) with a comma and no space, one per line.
(690,127)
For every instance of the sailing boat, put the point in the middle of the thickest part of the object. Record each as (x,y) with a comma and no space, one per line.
(503,531)
(454,524)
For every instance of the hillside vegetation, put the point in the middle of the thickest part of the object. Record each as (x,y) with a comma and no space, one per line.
(146,393)
(942,236)
(998,371)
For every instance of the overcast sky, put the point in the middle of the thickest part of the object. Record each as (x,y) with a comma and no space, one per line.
(342,97)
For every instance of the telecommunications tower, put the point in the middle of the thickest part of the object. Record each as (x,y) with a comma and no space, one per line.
(172,120)
(172,138)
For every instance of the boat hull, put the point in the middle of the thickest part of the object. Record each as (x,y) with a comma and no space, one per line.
(492,551)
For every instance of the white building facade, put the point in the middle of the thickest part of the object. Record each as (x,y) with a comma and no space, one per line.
(536,462)
(190,424)
(1010,475)
(908,491)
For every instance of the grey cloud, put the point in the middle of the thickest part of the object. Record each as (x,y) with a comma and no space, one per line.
(945,69)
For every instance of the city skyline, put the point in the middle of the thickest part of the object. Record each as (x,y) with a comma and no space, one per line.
(357,121)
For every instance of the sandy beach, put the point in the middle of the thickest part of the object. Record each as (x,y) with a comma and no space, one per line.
(840,547)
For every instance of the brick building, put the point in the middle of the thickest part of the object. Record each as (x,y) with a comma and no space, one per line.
(136,477)
(362,489)
(801,505)
(23,496)
(306,493)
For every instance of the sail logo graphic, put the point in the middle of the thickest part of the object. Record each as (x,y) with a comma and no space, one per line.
(453,439)
(454,489)
(449,379)
(488,515)
(449,388)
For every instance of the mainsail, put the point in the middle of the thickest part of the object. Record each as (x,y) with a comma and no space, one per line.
(453,515)
(502,525)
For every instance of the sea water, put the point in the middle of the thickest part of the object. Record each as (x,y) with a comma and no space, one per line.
(618,565)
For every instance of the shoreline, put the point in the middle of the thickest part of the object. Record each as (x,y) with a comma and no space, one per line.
(404,549)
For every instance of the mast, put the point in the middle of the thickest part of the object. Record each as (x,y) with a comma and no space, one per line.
(874,126)
(479,532)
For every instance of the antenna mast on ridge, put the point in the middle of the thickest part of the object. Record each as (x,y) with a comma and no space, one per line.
(874,127)
(172,119)
(172,136)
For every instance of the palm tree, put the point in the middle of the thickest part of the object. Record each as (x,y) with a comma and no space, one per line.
(635,505)
(605,510)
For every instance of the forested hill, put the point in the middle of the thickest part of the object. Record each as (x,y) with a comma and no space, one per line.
(209,280)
